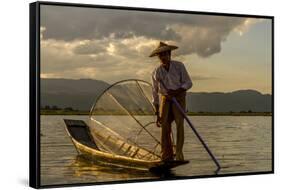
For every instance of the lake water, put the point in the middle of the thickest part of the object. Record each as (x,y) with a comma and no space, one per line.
(241,144)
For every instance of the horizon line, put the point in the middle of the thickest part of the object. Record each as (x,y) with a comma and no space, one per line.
(149,82)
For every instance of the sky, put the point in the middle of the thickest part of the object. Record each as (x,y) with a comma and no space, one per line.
(220,53)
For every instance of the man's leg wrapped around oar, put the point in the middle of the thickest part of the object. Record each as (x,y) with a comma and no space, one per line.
(166,129)
(168,113)
(179,120)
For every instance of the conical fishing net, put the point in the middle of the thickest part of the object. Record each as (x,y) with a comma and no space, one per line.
(123,121)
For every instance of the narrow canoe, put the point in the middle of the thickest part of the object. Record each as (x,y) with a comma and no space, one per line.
(121,154)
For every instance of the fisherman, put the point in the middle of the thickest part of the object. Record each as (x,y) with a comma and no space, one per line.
(169,79)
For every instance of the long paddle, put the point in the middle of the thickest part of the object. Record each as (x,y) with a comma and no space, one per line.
(174,100)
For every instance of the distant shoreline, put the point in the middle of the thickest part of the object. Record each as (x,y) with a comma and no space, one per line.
(63,112)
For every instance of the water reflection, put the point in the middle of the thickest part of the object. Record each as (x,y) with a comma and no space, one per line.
(241,144)
(82,167)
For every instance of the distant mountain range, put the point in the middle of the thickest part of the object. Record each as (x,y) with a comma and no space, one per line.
(241,100)
(81,94)
(78,94)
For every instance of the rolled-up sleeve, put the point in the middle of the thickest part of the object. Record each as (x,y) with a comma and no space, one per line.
(155,86)
(185,79)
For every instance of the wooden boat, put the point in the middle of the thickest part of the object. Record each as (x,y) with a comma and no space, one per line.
(93,145)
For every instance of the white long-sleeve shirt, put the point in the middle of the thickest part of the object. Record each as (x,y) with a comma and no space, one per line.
(177,77)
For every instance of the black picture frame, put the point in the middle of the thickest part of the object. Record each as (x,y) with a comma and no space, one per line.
(34,91)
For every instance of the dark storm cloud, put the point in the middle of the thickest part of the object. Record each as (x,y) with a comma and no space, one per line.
(200,34)
(68,23)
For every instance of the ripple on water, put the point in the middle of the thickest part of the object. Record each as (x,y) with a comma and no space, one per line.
(241,144)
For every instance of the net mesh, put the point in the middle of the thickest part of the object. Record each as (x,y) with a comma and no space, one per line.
(123,121)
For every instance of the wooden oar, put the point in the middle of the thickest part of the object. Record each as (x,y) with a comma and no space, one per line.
(174,100)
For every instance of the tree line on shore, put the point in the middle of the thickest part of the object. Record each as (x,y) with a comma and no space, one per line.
(55,109)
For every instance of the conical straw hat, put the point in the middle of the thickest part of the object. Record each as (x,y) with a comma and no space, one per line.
(161,48)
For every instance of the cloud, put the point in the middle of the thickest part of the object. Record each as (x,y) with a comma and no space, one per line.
(119,59)
(89,47)
(203,77)
(200,34)
(114,44)
(69,23)
(246,25)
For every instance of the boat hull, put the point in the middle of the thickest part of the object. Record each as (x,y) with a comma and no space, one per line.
(85,145)
(113,159)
